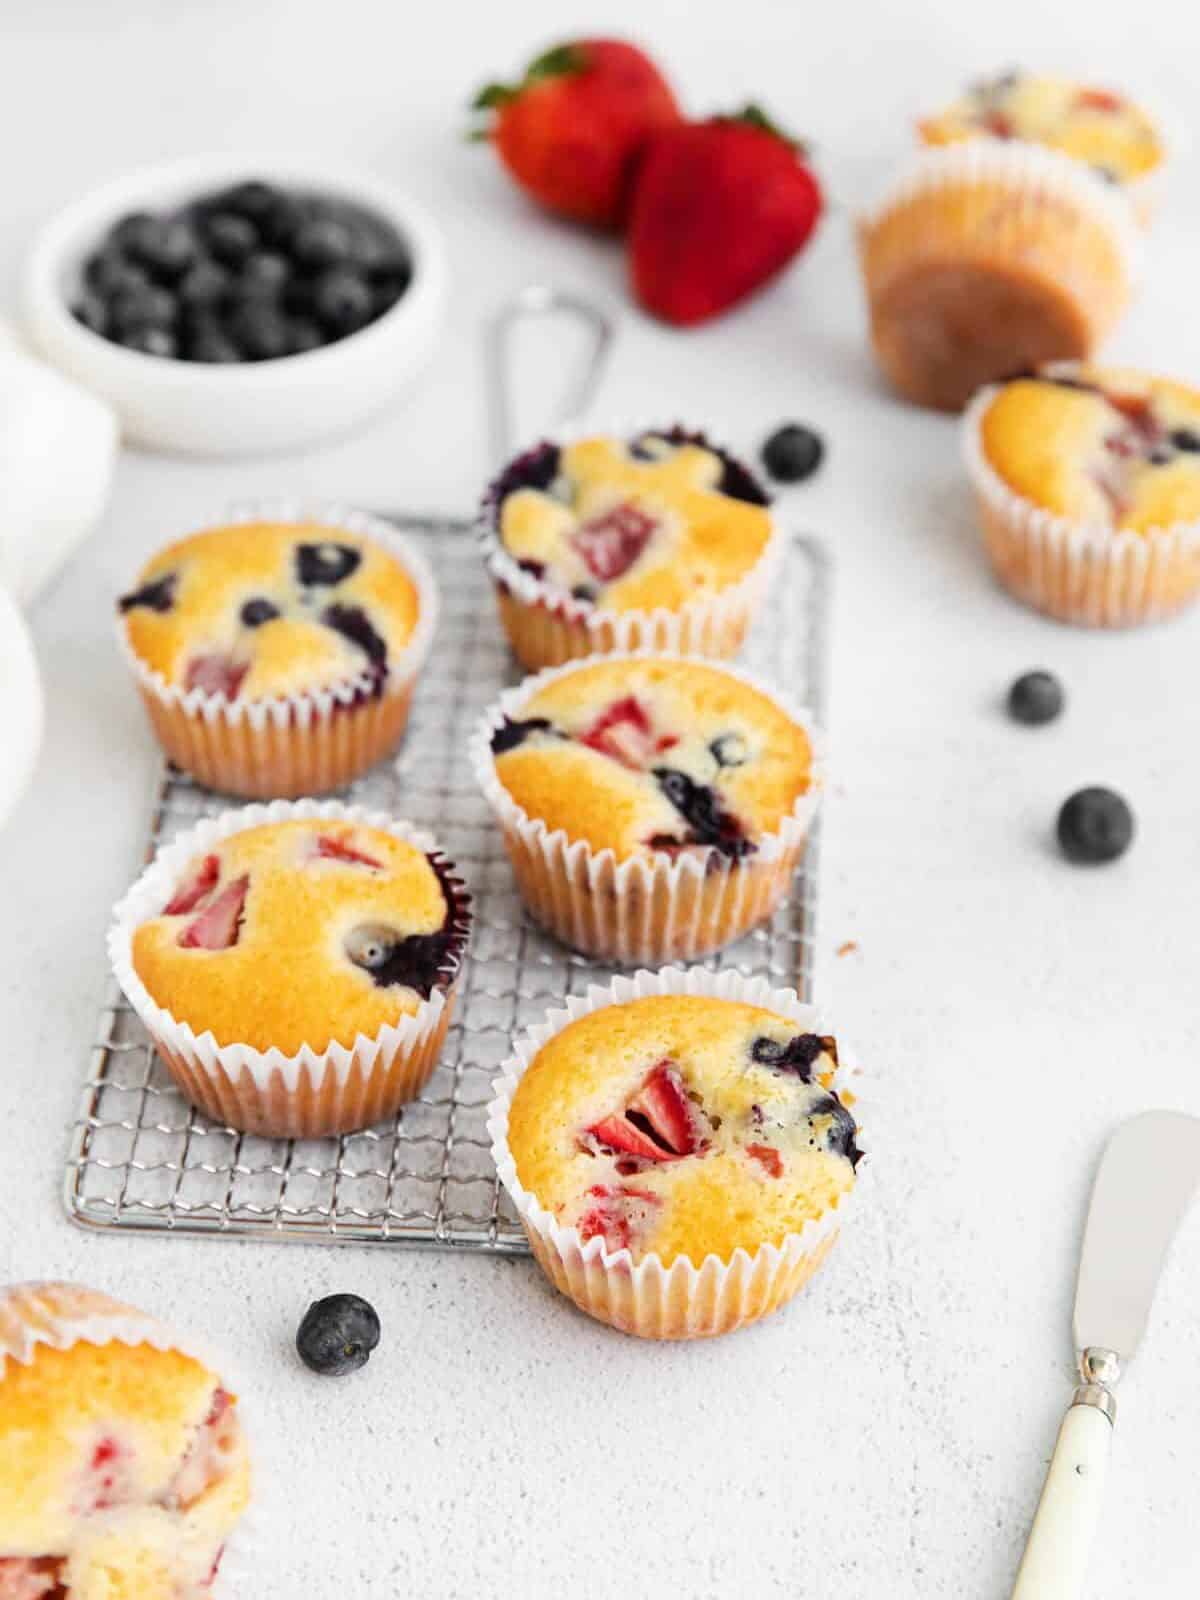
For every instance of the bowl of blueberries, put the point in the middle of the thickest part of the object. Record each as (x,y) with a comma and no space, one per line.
(227,307)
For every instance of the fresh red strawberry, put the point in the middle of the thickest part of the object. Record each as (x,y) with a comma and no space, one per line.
(768,1157)
(615,1214)
(218,925)
(623,732)
(572,130)
(338,850)
(1098,100)
(618,1133)
(194,889)
(659,1123)
(718,209)
(611,542)
(216,674)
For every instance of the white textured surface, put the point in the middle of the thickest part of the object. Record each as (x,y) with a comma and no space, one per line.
(888,1434)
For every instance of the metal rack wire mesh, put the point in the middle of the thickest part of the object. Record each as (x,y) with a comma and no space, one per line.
(142,1158)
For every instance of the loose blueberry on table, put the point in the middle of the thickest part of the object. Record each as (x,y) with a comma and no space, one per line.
(251,273)
(1036,698)
(337,1335)
(793,453)
(1094,826)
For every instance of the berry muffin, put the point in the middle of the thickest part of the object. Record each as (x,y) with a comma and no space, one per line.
(277,654)
(654,807)
(124,1470)
(295,965)
(988,258)
(1104,130)
(680,1148)
(599,544)
(1087,481)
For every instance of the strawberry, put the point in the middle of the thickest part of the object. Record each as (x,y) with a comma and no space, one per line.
(623,733)
(1098,100)
(719,208)
(572,130)
(659,1123)
(218,925)
(329,849)
(616,1214)
(611,542)
(767,1157)
(216,674)
(194,889)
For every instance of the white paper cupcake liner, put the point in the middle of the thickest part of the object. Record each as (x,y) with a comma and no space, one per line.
(547,627)
(650,907)
(61,1315)
(685,1300)
(310,1094)
(1077,572)
(311,741)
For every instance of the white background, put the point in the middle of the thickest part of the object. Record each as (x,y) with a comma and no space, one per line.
(887,1434)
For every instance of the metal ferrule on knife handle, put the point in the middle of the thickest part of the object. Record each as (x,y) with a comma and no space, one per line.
(1100,1370)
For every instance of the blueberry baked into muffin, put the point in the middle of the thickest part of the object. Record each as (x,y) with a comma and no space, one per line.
(606,543)
(278,656)
(653,807)
(296,966)
(1088,485)
(679,1127)
(124,1470)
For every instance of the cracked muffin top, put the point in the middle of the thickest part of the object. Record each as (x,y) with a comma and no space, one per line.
(123,1467)
(302,932)
(260,609)
(1094,125)
(683,1125)
(635,754)
(654,521)
(1109,447)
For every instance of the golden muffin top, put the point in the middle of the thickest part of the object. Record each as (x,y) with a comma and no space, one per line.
(107,1449)
(1109,447)
(260,609)
(304,932)
(654,522)
(1094,125)
(636,754)
(684,1126)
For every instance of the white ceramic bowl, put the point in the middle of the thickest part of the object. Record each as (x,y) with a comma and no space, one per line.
(20,706)
(259,406)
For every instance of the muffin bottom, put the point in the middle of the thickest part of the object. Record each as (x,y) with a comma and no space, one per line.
(943,329)
(542,636)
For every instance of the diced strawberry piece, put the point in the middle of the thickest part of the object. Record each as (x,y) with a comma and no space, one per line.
(1098,100)
(663,1101)
(216,674)
(612,1217)
(999,124)
(338,850)
(610,543)
(195,888)
(618,1133)
(767,1156)
(623,732)
(667,742)
(218,925)
(31,1578)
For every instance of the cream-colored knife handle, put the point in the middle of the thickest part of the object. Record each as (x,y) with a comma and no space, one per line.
(1056,1558)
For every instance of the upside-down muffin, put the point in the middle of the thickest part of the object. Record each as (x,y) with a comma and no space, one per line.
(277,657)
(605,543)
(653,807)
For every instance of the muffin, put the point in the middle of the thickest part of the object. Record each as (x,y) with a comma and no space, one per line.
(680,1148)
(124,1470)
(604,543)
(277,653)
(1087,481)
(295,965)
(989,258)
(1106,131)
(654,807)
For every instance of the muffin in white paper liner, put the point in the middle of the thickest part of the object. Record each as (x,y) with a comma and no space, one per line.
(546,626)
(307,742)
(684,1300)
(62,1315)
(986,257)
(651,907)
(1077,572)
(311,1093)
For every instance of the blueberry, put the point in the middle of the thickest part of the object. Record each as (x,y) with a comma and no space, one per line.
(265,272)
(109,273)
(149,307)
(415,960)
(252,199)
(386,294)
(322,242)
(353,624)
(1186,439)
(280,224)
(584,592)
(257,611)
(1095,825)
(90,310)
(208,342)
(842,1134)
(342,300)
(157,595)
(259,330)
(133,231)
(167,249)
(203,285)
(729,750)
(150,342)
(793,453)
(701,809)
(232,239)
(337,1335)
(799,1055)
(512,733)
(325,564)
(304,335)
(1161,456)
(1035,698)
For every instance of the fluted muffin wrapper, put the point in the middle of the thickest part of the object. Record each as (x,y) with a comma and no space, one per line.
(59,1316)
(649,907)
(547,627)
(1090,574)
(311,1093)
(1059,226)
(646,1298)
(310,741)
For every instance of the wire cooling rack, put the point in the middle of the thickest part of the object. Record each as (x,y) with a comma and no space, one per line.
(142,1158)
